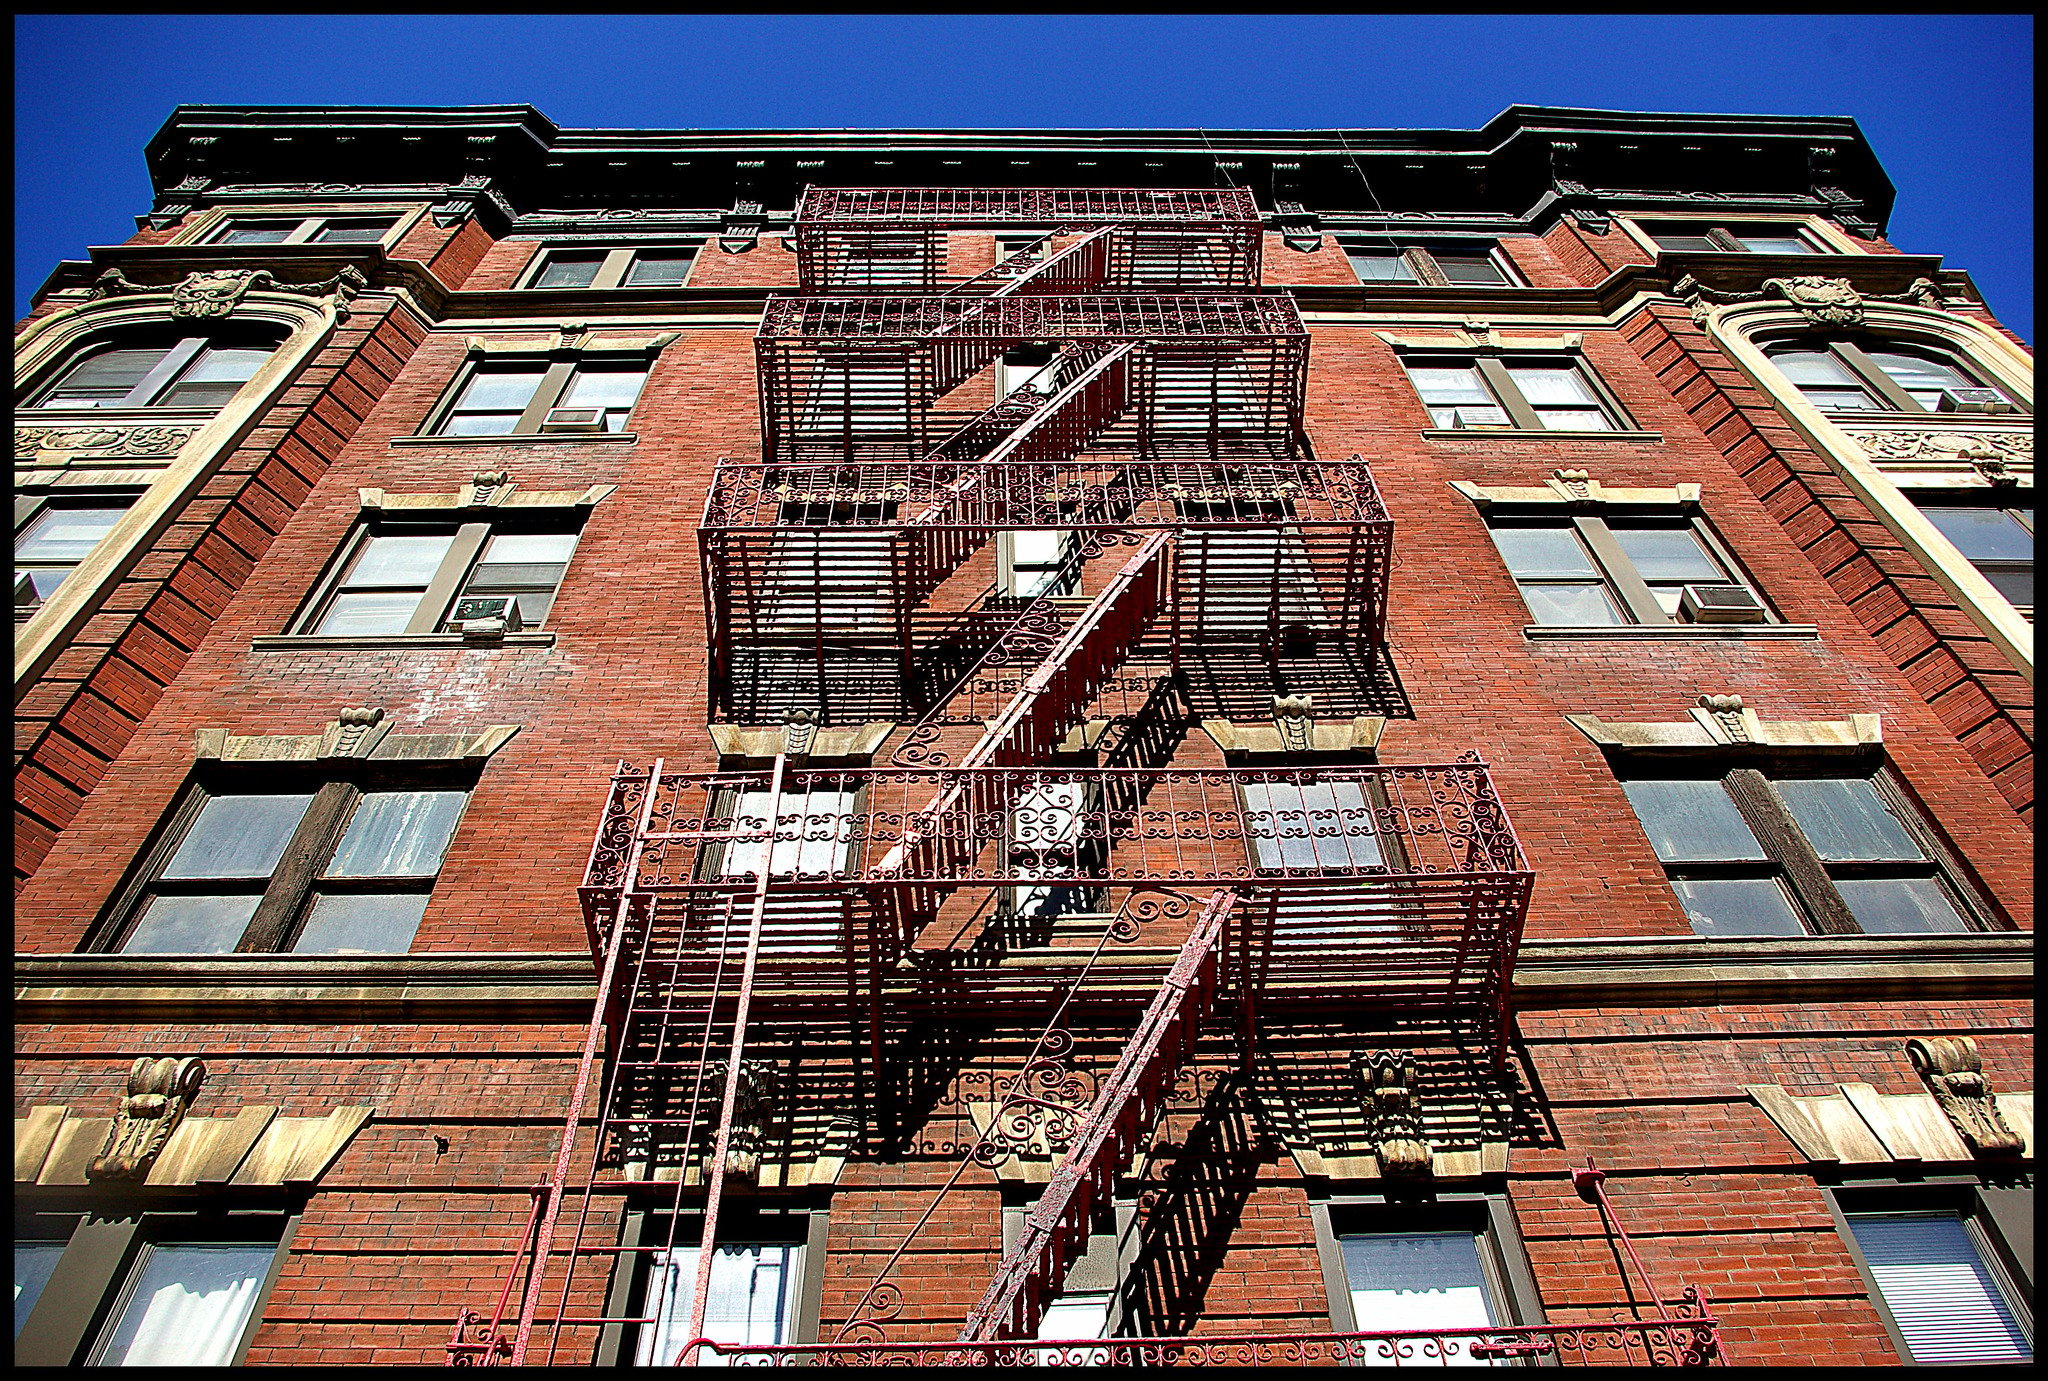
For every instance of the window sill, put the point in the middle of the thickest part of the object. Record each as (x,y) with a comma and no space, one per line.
(1518,434)
(393,642)
(1680,632)
(517,439)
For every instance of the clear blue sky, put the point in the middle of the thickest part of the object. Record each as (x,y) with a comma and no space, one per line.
(1947,101)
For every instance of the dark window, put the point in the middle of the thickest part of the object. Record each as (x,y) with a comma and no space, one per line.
(1589,570)
(1996,537)
(299,230)
(1755,854)
(400,579)
(523,396)
(1942,1268)
(664,266)
(1439,264)
(339,867)
(1873,375)
(189,372)
(1538,394)
(53,537)
(1732,238)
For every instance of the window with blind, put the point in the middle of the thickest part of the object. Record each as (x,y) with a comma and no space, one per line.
(1419,1281)
(1863,374)
(153,370)
(1949,1298)
(752,1300)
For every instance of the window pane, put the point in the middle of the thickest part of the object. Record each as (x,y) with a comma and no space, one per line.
(658,270)
(530,548)
(1448,385)
(104,379)
(1548,385)
(1774,244)
(368,615)
(397,834)
(189,1305)
(1917,375)
(66,534)
(365,923)
(1572,606)
(409,561)
(1075,1316)
(351,232)
(1899,906)
(1666,554)
(481,424)
(1543,552)
(1038,547)
(1469,268)
(751,1300)
(1983,534)
(604,388)
(257,232)
(238,837)
(1574,420)
(1825,380)
(222,365)
(1946,1302)
(811,834)
(1844,817)
(569,271)
(1310,825)
(1382,268)
(1691,821)
(33,1262)
(1690,239)
(501,390)
(1737,906)
(1409,1282)
(192,925)
(2016,585)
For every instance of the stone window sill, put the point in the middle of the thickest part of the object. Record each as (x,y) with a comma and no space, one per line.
(1517,434)
(518,439)
(1677,632)
(394,642)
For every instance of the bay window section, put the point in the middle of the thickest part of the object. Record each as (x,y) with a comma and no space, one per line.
(1998,539)
(1867,374)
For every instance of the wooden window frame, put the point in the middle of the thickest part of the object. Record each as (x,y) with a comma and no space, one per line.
(286,904)
(1492,366)
(614,264)
(801,1222)
(1503,1259)
(1849,352)
(450,577)
(1998,1218)
(102,1250)
(1808,880)
(561,371)
(1634,594)
(305,230)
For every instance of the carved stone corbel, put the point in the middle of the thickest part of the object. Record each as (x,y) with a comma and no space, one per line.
(159,1094)
(752,1101)
(1388,1078)
(1726,711)
(1954,1074)
(1295,717)
(799,734)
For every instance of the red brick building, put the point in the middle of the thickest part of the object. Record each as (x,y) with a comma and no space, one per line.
(1372,745)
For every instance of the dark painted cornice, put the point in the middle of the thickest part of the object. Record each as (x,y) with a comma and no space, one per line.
(1585,160)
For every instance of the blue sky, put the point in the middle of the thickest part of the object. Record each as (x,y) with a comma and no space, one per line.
(1947,101)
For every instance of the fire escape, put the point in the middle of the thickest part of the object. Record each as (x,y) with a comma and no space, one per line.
(1021,517)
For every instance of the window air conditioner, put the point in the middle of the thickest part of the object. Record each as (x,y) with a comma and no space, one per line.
(573,420)
(1972,400)
(1720,604)
(485,615)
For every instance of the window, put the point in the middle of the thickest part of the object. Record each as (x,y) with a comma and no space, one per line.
(1941,1271)
(764,1284)
(302,230)
(401,579)
(1592,570)
(197,372)
(1055,829)
(1312,826)
(334,868)
(1035,561)
(1750,854)
(55,537)
(1532,394)
(1440,264)
(813,829)
(1998,539)
(1453,1264)
(1085,1307)
(158,1290)
(514,397)
(1732,239)
(652,266)
(1873,375)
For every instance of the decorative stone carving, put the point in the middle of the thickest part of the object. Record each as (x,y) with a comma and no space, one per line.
(486,483)
(355,726)
(1722,721)
(1295,717)
(159,1093)
(210,294)
(1578,484)
(101,441)
(1727,712)
(1822,301)
(1954,1074)
(1997,446)
(1389,1082)
(799,733)
(752,1101)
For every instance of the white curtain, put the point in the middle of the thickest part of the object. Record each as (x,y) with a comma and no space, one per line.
(1416,1282)
(189,1305)
(752,1300)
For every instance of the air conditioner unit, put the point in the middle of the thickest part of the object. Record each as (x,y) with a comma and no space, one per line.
(481,610)
(1721,604)
(1972,400)
(573,420)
